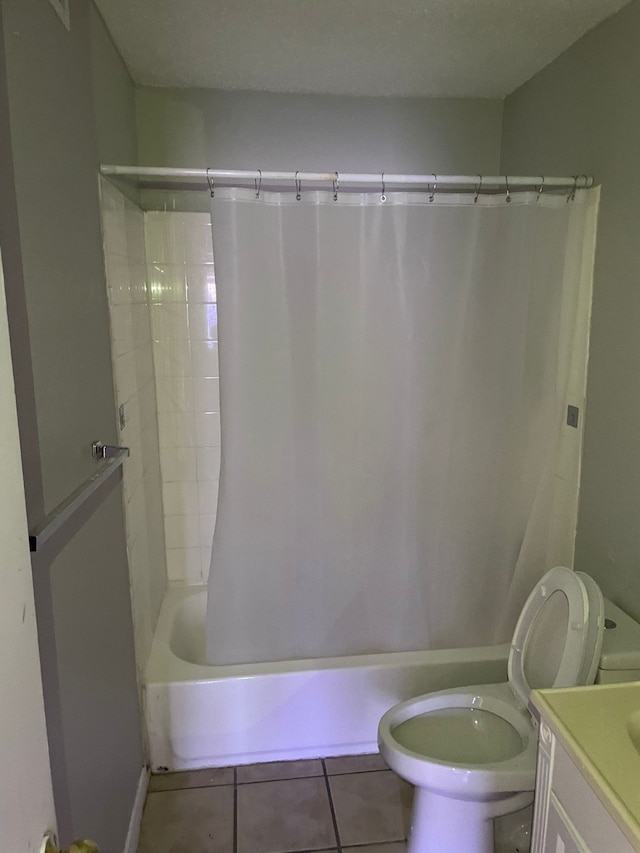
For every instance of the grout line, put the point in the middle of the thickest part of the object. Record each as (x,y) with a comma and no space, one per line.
(333,812)
(235,810)
(358,772)
(282,779)
(318,850)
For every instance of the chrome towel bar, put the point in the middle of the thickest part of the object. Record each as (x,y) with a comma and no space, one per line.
(114,457)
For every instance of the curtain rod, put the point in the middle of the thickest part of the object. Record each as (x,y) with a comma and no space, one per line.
(376,180)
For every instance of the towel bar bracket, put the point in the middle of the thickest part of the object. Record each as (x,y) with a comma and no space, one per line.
(100,451)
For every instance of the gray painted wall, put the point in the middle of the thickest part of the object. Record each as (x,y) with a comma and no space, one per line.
(263,130)
(81,582)
(55,160)
(114,103)
(582,114)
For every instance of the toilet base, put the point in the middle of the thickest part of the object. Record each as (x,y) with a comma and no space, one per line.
(442,824)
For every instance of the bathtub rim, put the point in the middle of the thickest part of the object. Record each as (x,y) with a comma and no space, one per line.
(163,666)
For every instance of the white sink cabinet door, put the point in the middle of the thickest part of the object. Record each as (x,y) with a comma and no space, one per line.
(568,815)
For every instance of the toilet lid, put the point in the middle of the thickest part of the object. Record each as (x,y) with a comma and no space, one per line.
(558,636)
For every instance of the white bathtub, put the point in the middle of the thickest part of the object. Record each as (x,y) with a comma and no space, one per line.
(211,716)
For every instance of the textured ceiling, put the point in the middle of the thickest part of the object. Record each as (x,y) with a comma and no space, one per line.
(434,48)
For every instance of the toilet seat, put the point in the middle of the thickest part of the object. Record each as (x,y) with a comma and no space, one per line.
(594,642)
(579,631)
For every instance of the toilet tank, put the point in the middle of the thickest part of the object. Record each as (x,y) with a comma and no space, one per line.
(620,657)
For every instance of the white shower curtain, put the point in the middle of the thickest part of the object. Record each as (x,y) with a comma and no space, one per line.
(393,386)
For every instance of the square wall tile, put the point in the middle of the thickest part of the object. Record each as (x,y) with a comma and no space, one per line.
(565,498)
(207,463)
(141,324)
(568,453)
(122,324)
(201,283)
(164,237)
(178,464)
(138,283)
(180,498)
(561,544)
(185,565)
(204,358)
(198,241)
(114,228)
(172,358)
(207,426)
(177,429)
(175,393)
(169,321)
(207,527)
(118,279)
(203,321)
(166,282)
(207,497)
(206,394)
(182,531)
(205,563)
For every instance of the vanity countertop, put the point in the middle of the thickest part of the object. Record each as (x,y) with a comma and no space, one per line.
(591,724)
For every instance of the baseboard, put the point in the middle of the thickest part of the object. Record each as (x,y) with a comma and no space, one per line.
(133,833)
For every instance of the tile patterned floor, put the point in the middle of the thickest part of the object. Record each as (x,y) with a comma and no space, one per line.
(286,807)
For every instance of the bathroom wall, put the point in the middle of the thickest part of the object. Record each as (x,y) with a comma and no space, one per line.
(266,130)
(184,327)
(581,114)
(135,392)
(58,318)
(113,101)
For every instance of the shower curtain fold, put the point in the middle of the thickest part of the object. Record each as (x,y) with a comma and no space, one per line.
(393,383)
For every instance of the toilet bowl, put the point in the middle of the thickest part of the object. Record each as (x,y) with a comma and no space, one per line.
(471,751)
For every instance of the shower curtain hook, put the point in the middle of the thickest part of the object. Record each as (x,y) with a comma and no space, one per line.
(572,194)
(336,186)
(258,184)
(298,186)
(478,190)
(434,187)
(212,188)
(540,189)
(383,196)
(508,196)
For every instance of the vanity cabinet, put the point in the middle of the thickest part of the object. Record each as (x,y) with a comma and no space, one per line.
(569,816)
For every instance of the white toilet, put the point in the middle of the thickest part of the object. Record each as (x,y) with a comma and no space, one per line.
(471,751)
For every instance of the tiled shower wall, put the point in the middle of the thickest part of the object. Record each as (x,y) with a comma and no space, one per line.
(184,325)
(125,262)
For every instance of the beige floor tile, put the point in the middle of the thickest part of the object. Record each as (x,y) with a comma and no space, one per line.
(392,847)
(284,815)
(191,779)
(371,807)
(198,820)
(279,770)
(355,763)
